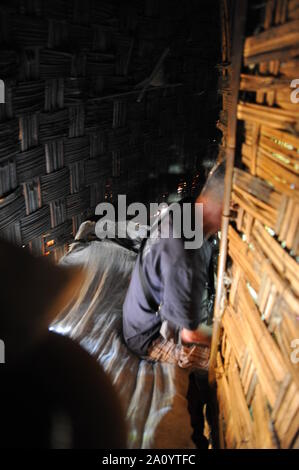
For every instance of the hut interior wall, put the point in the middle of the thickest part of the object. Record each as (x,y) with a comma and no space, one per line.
(257,368)
(75,129)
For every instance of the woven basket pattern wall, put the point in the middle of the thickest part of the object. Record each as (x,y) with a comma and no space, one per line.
(72,133)
(257,365)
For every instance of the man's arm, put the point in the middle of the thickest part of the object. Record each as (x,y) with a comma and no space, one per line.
(184,277)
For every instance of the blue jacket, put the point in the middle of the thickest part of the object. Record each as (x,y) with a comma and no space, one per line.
(178,279)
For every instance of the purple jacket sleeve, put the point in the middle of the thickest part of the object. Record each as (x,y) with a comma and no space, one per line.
(184,277)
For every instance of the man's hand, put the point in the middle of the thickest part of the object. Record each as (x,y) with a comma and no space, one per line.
(195,336)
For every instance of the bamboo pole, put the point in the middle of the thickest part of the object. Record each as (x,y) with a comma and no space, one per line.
(237,48)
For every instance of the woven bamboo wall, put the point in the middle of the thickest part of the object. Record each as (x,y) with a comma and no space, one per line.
(72,133)
(257,365)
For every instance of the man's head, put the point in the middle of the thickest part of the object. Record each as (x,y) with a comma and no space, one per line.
(211,197)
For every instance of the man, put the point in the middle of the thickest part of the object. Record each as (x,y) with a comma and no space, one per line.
(164,309)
